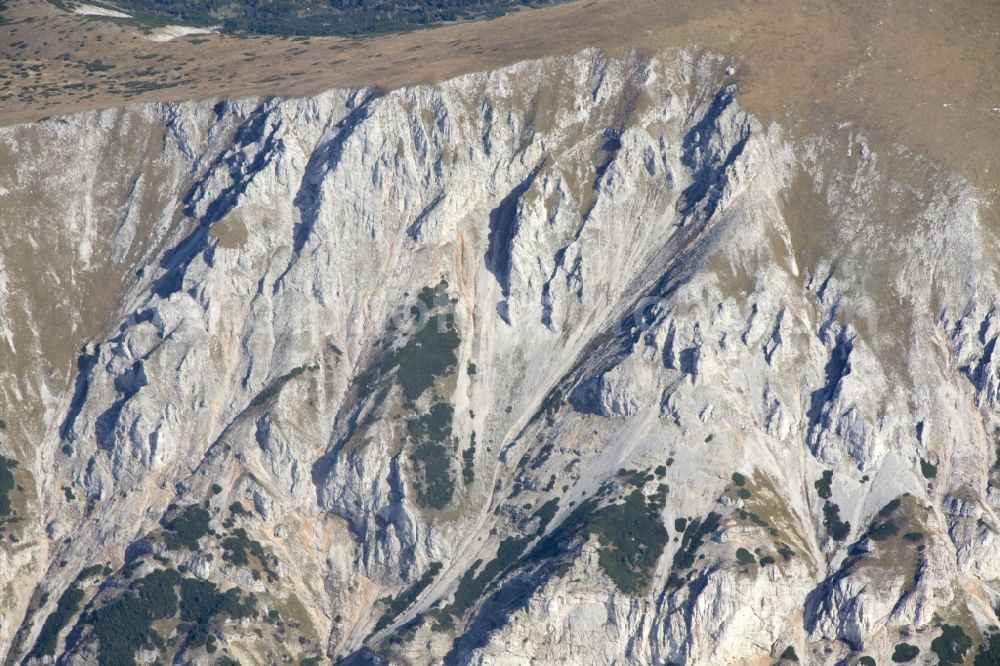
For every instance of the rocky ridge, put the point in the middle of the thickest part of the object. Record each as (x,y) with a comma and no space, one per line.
(573,361)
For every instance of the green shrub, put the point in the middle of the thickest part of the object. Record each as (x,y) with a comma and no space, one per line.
(927,469)
(468,465)
(98,66)
(123,626)
(472,585)
(692,539)
(237,548)
(406,599)
(435,486)
(550,407)
(632,539)
(904,653)
(889,508)
(67,606)
(91,571)
(988,653)
(430,351)
(6,486)
(835,527)
(546,513)
(187,528)
(434,425)
(951,646)
(201,603)
(824,485)
(432,432)
(882,531)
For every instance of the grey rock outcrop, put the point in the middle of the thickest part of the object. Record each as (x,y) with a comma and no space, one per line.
(452,356)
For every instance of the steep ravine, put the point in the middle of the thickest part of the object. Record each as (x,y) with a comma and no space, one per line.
(570,362)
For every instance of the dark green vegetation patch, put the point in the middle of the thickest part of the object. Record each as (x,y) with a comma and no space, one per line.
(927,469)
(430,351)
(184,530)
(237,549)
(988,653)
(201,605)
(125,625)
(67,606)
(469,462)
(904,653)
(6,486)
(789,654)
(632,539)
(882,531)
(546,513)
(835,527)
(472,585)
(421,350)
(432,462)
(550,407)
(406,599)
(435,425)
(887,524)
(691,541)
(631,535)
(952,645)
(319,17)
(890,508)
(824,485)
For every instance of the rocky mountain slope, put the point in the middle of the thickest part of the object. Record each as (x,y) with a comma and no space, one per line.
(570,362)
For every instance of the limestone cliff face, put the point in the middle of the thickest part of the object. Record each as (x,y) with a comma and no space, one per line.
(570,362)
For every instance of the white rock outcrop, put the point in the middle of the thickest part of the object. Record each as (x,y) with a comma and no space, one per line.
(648,292)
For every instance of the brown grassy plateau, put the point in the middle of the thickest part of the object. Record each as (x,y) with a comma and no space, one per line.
(924,73)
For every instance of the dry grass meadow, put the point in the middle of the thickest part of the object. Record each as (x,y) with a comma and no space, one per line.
(925,73)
